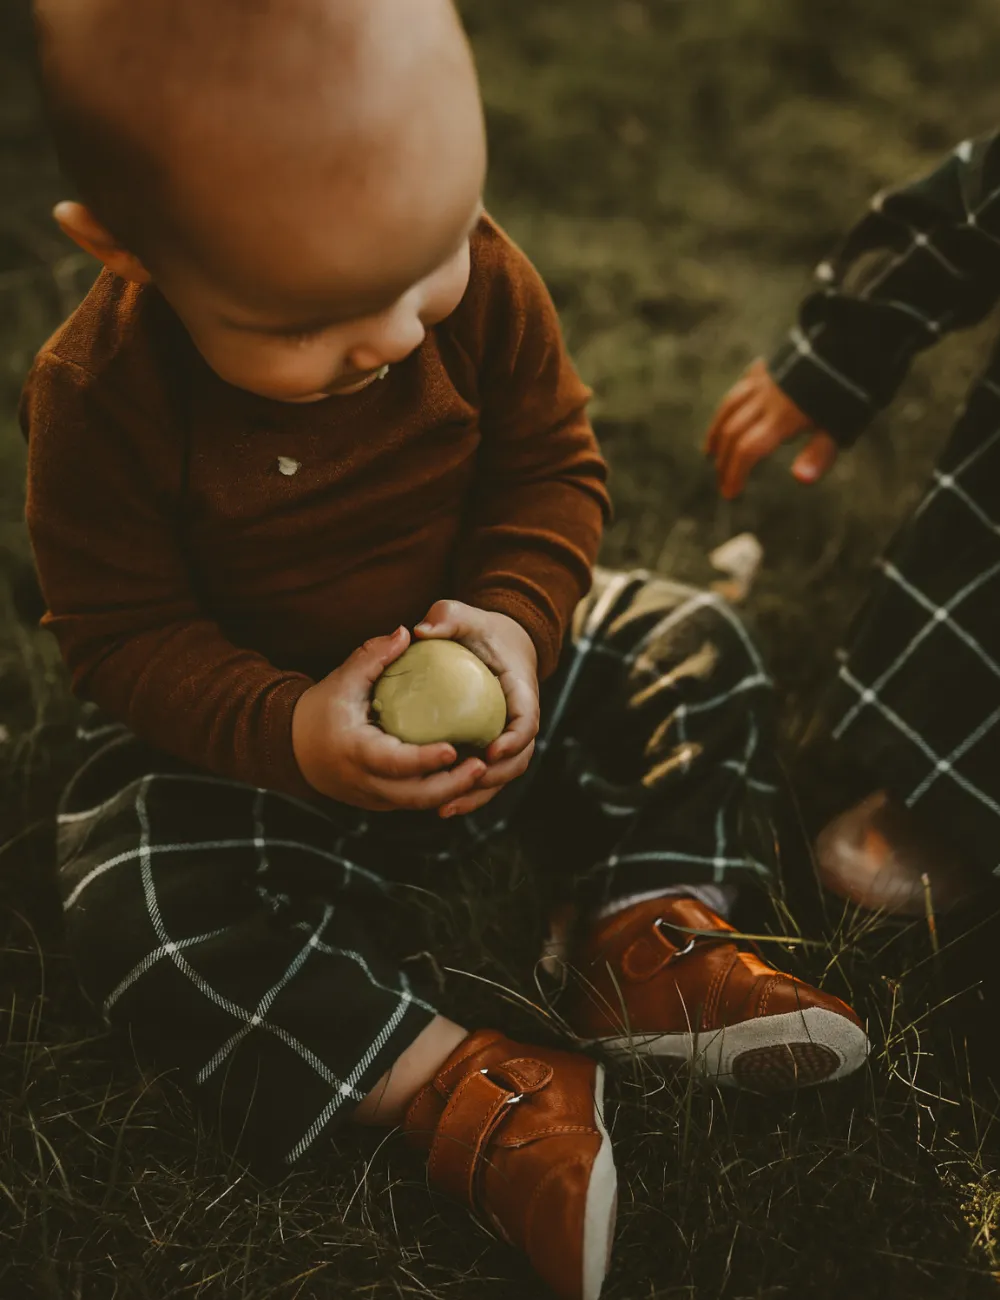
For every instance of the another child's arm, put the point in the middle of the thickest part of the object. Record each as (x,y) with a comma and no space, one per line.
(924,260)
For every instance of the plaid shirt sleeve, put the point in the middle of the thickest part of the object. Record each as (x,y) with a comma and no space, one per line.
(924,260)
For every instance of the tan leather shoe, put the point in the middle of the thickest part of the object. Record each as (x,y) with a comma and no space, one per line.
(641,984)
(877,854)
(517,1133)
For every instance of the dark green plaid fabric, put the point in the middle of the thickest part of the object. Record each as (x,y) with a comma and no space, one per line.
(235,932)
(917,700)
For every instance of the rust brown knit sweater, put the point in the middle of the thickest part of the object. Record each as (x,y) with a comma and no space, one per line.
(196,591)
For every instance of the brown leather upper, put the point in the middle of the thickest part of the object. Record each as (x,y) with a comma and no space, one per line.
(643,971)
(510,1131)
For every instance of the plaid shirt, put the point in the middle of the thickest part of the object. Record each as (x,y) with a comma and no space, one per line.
(924,260)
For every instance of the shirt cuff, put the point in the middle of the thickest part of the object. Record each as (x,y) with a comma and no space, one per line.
(540,624)
(281,771)
(830,400)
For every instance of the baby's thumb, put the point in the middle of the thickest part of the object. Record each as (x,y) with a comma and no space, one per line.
(815,459)
(370,660)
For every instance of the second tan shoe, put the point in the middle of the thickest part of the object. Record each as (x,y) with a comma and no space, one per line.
(882,856)
(643,983)
(516,1133)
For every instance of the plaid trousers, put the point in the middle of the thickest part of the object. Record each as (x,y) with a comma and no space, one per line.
(229,930)
(918,695)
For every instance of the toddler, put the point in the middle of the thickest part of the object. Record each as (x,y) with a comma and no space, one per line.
(917,703)
(316,395)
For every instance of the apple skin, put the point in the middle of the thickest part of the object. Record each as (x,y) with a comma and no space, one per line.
(438,691)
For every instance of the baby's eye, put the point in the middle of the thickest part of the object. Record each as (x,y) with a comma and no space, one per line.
(303,336)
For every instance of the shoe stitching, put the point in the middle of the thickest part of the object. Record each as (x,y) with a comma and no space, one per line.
(474,1145)
(765,997)
(552,1130)
(453,1065)
(714,995)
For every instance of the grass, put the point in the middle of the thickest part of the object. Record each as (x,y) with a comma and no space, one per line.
(674,168)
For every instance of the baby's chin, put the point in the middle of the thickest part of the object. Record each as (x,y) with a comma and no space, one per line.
(339,388)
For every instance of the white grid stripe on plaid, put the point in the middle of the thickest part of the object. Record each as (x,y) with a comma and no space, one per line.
(669,855)
(330,951)
(246,842)
(259,839)
(944,766)
(940,764)
(947,483)
(151,958)
(962,469)
(202,985)
(266,1002)
(201,778)
(941,616)
(334,1104)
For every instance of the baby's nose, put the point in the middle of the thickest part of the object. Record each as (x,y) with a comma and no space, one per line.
(392,343)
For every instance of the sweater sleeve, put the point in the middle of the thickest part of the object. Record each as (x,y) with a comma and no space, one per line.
(102,483)
(923,261)
(540,502)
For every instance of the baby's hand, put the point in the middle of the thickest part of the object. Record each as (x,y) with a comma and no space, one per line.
(505,647)
(753,420)
(344,756)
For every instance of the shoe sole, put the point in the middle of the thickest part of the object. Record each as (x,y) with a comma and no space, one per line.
(601,1206)
(798,1049)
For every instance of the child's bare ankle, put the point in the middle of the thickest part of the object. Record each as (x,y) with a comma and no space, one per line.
(389,1099)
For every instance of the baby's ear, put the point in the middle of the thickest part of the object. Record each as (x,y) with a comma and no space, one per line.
(79,224)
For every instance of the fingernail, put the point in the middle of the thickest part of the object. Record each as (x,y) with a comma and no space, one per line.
(422,627)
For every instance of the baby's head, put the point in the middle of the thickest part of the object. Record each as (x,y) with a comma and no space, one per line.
(298,177)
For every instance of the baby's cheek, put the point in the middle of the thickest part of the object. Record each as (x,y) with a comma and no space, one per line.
(449,290)
(276,371)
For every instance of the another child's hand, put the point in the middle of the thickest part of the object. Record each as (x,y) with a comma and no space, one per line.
(505,647)
(753,420)
(346,757)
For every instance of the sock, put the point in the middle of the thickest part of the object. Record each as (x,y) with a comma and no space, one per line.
(719,898)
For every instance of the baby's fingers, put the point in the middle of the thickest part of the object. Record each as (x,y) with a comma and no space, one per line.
(735,400)
(747,389)
(522,722)
(468,803)
(392,759)
(815,459)
(753,446)
(748,415)
(431,791)
(496,776)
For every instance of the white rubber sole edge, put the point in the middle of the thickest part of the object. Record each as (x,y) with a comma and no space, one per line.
(713,1053)
(602,1204)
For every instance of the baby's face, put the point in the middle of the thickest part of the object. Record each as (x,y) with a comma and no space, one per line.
(320,179)
(323,256)
(280,339)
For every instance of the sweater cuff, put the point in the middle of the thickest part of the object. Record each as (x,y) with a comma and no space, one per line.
(539,621)
(280,771)
(830,400)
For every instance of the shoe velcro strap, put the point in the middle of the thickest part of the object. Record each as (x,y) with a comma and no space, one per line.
(475,1109)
